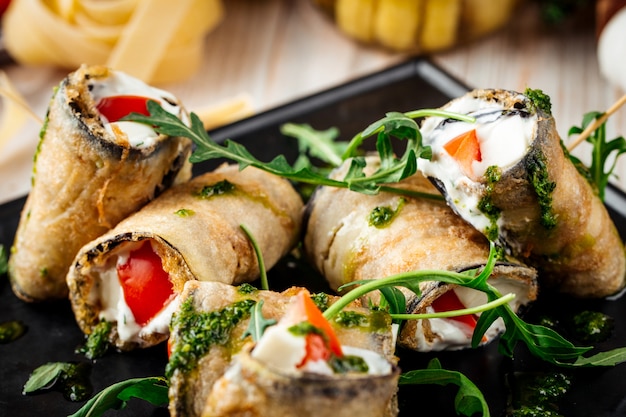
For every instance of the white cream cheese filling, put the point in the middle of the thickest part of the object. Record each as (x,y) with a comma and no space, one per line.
(503,139)
(118,84)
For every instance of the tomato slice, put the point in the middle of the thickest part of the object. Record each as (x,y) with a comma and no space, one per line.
(316,349)
(147,287)
(116,107)
(304,309)
(449,301)
(465,148)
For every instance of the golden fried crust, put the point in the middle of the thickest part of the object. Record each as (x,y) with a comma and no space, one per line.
(84,183)
(197,238)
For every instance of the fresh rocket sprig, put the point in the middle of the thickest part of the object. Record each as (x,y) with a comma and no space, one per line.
(392,169)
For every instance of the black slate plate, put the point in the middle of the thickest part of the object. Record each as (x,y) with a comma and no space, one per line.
(53,335)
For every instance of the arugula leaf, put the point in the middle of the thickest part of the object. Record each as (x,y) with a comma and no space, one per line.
(397,125)
(395,300)
(319,144)
(600,170)
(4,260)
(45,376)
(115,397)
(468,400)
(258,323)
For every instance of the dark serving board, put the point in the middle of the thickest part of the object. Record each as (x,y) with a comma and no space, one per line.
(53,335)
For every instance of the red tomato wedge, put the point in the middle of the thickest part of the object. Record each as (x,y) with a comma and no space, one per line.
(304,309)
(465,148)
(116,107)
(316,349)
(147,287)
(449,301)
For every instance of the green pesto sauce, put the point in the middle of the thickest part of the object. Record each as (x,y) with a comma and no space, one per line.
(199,331)
(348,364)
(537,173)
(382,216)
(184,212)
(97,343)
(219,188)
(535,395)
(374,321)
(592,326)
(304,328)
(246,289)
(11,331)
(321,300)
(74,383)
(225,187)
(539,100)
(486,205)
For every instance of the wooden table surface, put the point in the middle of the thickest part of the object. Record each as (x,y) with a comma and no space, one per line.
(275,51)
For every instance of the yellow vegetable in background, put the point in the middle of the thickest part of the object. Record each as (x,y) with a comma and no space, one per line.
(417,25)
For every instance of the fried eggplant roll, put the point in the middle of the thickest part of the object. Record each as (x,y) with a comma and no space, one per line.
(352,236)
(91,171)
(130,276)
(508,175)
(301,365)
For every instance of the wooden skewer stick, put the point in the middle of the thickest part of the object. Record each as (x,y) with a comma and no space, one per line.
(597,123)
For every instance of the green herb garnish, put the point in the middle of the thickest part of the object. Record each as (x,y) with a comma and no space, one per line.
(392,169)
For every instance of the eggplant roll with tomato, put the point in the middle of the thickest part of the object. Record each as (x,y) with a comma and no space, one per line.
(352,236)
(91,171)
(509,176)
(130,276)
(301,365)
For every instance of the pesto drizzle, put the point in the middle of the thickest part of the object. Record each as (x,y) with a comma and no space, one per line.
(199,331)
(97,343)
(382,216)
(486,205)
(537,173)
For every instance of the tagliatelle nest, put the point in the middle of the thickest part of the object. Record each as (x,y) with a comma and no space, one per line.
(148,39)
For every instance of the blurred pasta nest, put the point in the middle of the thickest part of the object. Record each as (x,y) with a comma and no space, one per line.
(418,25)
(158,41)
